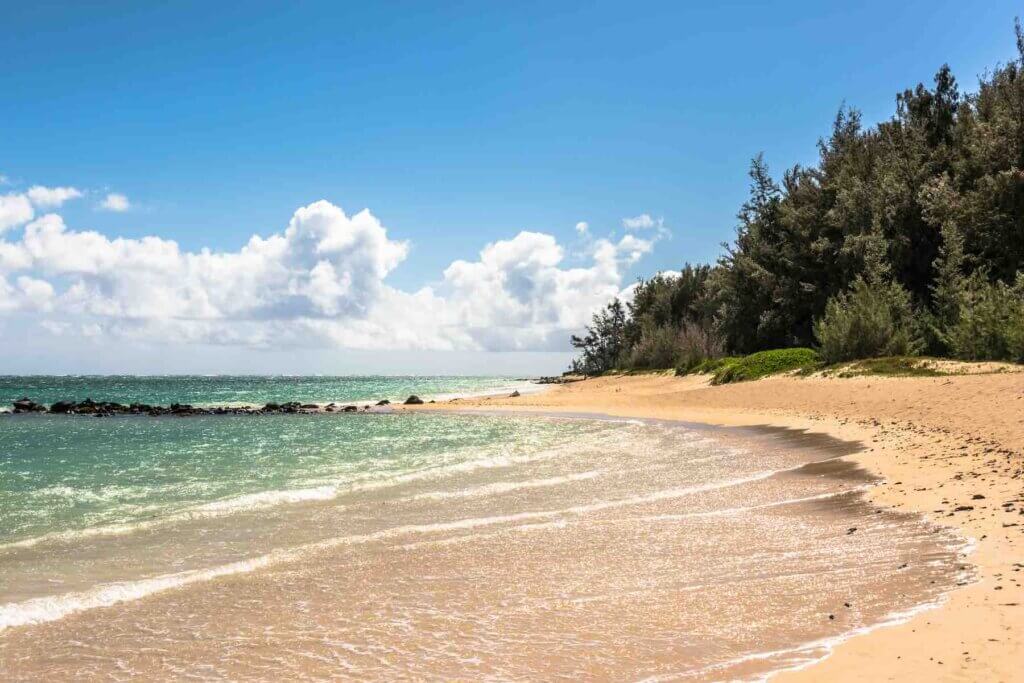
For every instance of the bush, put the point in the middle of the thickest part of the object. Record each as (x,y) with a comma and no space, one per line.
(656,349)
(873,319)
(695,345)
(764,363)
(991,323)
(708,366)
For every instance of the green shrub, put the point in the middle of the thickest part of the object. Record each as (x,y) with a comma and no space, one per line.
(991,323)
(871,320)
(764,363)
(708,366)
(695,345)
(657,348)
(893,366)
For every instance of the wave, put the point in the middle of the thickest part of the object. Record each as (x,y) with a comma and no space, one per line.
(52,608)
(218,508)
(500,487)
(268,499)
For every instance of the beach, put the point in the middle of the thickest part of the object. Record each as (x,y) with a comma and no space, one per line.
(949,448)
(626,528)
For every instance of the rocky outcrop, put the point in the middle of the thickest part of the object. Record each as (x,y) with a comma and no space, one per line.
(561,379)
(110,408)
(414,401)
(24,405)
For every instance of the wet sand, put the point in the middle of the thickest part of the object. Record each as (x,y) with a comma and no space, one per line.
(950,449)
(644,551)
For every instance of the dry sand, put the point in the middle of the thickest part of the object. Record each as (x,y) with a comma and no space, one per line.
(950,448)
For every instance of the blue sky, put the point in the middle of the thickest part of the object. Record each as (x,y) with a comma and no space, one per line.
(456,124)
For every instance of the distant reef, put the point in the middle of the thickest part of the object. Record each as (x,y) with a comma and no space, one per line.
(111,408)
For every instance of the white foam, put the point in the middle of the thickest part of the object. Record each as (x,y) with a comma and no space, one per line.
(52,608)
(218,508)
(500,487)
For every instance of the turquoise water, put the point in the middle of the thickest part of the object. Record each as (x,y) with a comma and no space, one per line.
(59,474)
(231,390)
(428,545)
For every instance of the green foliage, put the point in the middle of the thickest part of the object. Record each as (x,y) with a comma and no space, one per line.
(991,322)
(903,237)
(871,320)
(656,348)
(603,343)
(764,363)
(894,366)
(706,367)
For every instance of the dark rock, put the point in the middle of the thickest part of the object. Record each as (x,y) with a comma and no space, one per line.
(515,394)
(963,508)
(414,401)
(62,407)
(26,405)
(310,406)
(977,496)
(386,402)
(349,409)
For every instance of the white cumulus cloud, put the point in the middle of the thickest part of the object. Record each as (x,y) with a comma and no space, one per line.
(319,282)
(51,197)
(15,209)
(115,202)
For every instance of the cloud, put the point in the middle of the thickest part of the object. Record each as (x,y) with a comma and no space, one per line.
(582,227)
(321,282)
(115,202)
(516,296)
(15,209)
(51,197)
(641,222)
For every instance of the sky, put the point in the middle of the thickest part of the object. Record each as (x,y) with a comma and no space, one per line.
(451,188)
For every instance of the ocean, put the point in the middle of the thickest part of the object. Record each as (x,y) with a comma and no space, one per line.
(431,546)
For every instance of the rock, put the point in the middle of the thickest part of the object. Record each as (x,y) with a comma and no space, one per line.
(26,405)
(310,406)
(349,409)
(62,407)
(963,508)
(977,496)
(271,407)
(515,394)
(386,402)
(414,401)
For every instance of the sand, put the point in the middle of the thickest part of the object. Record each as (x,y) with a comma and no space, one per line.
(950,448)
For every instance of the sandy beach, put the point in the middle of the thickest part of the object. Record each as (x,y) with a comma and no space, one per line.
(950,448)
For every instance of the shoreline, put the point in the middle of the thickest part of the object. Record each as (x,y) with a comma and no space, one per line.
(947,448)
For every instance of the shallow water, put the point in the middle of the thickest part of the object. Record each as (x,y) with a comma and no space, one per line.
(438,547)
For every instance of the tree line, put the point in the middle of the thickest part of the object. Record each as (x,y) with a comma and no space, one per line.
(904,238)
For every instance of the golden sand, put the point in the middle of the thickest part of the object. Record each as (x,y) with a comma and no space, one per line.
(949,448)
